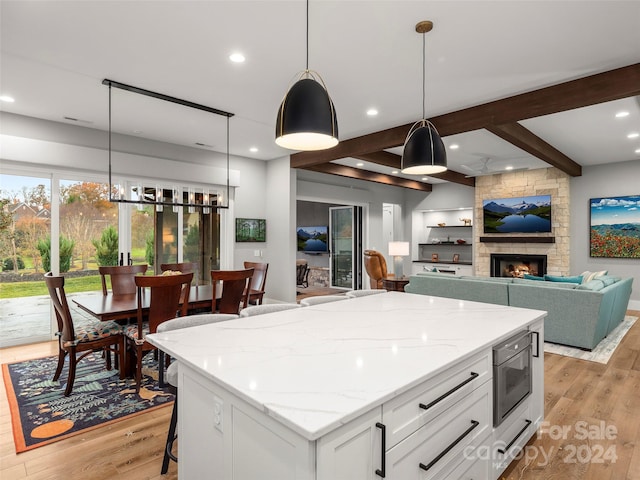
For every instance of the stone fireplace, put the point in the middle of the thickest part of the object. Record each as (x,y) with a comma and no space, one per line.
(517,265)
(554,246)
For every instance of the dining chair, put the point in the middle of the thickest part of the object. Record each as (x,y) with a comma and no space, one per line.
(172,373)
(258,281)
(376,267)
(166,294)
(184,267)
(268,308)
(82,337)
(122,278)
(235,290)
(317,300)
(364,293)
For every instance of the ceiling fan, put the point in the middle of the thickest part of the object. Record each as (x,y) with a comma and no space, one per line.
(483,168)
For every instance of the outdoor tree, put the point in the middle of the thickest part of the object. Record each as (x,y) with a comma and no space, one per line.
(66,251)
(85,211)
(7,233)
(29,231)
(107,247)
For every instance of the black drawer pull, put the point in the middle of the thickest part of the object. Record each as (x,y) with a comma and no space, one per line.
(445,395)
(382,471)
(474,424)
(537,342)
(507,447)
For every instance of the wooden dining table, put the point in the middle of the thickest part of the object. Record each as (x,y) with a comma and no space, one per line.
(121,307)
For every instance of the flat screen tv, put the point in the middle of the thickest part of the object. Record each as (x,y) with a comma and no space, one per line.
(517,215)
(313,239)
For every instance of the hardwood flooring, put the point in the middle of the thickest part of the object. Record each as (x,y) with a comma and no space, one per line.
(605,398)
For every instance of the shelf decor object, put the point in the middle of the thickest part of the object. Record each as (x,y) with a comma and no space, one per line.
(167,195)
(423,152)
(306,117)
(398,250)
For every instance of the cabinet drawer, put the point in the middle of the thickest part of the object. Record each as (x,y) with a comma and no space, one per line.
(417,407)
(472,467)
(427,453)
(511,436)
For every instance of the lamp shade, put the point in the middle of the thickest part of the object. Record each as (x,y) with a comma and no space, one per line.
(399,249)
(424,151)
(307,118)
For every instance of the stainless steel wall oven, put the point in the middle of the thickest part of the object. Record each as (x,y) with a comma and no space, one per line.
(511,374)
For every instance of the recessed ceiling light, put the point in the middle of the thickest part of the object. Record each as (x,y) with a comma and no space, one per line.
(137,132)
(253,149)
(372,112)
(454,146)
(7,98)
(394,172)
(622,114)
(638,150)
(236,57)
(508,167)
(424,179)
(359,164)
(633,135)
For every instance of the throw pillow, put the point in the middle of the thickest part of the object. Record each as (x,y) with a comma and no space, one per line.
(555,278)
(594,285)
(587,276)
(533,277)
(608,279)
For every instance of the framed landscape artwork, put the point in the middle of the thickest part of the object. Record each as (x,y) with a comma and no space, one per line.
(251,230)
(615,227)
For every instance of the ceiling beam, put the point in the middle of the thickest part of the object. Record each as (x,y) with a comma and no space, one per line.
(603,87)
(350,172)
(392,160)
(521,137)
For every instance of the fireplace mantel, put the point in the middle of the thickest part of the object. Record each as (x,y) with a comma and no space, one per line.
(509,239)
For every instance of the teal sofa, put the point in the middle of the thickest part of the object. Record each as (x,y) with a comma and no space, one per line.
(579,315)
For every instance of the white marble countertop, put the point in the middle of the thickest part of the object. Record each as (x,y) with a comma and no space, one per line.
(316,368)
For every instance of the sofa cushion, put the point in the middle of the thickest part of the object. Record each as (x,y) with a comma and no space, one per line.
(594,285)
(537,283)
(608,279)
(533,277)
(559,278)
(488,279)
(587,276)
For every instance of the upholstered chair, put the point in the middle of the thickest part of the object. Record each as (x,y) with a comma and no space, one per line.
(376,267)
(317,300)
(268,308)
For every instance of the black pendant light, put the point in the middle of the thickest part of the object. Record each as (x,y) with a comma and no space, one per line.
(423,152)
(306,117)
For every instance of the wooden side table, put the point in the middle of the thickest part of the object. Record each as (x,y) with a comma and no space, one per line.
(394,284)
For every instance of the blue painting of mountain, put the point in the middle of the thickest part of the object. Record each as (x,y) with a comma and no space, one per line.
(517,215)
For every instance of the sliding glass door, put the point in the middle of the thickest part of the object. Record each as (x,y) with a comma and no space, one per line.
(345,246)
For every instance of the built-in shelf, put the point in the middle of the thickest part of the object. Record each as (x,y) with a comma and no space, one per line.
(509,239)
(443,261)
(446,244)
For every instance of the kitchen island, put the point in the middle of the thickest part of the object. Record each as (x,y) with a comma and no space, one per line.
(372,387)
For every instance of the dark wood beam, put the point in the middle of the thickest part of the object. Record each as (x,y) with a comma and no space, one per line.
(392,160)
(356,173)
(603,87)
(521,137)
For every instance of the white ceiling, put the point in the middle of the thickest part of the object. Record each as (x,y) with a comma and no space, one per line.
(55,55)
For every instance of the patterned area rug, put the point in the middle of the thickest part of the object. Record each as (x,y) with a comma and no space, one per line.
(41,414)
(603,351)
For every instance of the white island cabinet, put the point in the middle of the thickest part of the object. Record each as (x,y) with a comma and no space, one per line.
(396,386)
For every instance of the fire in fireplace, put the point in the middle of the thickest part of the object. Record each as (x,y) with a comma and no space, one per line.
(517,265)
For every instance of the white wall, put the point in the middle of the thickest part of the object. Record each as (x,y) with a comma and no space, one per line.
(602,181)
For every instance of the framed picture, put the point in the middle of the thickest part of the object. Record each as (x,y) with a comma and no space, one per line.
(615,227)
(251,230)
(434,257)
(456,257)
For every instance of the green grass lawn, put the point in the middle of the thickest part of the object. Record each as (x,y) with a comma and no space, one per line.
(30,289)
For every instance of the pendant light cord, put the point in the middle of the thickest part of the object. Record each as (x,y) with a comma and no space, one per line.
(307,35)
(424,66)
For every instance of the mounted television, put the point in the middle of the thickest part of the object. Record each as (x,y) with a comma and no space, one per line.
(313,239)
(517,215)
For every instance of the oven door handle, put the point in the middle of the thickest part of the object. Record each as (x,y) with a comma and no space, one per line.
(427,406)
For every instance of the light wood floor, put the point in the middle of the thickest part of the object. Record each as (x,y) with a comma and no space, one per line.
(575,391)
